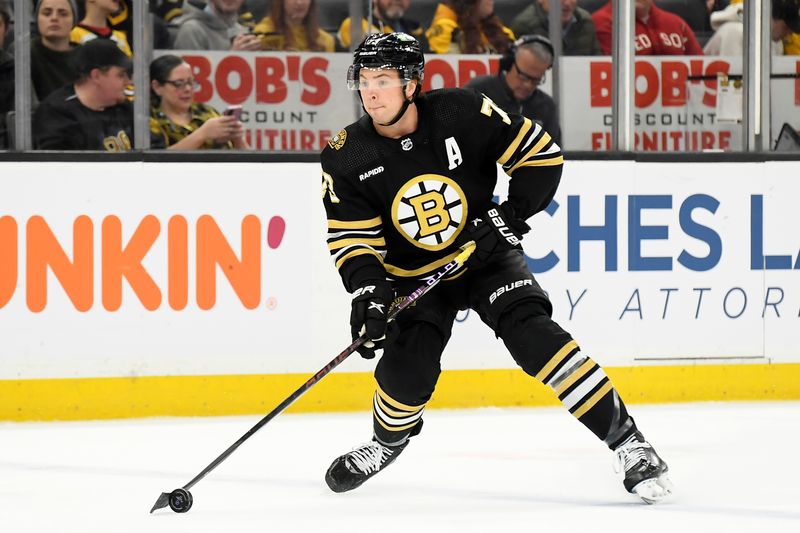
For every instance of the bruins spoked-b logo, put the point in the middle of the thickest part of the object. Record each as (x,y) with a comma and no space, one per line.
(430,211)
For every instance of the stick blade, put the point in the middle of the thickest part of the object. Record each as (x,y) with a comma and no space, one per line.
(161,502)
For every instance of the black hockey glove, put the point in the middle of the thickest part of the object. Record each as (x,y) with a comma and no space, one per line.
(497,230)
(368,313)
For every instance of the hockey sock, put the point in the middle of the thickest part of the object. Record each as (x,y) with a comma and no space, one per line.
(584,388)
(394,422)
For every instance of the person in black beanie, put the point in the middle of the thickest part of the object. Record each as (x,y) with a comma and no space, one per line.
(93,113)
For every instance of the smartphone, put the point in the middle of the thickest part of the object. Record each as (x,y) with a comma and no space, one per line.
(234,111)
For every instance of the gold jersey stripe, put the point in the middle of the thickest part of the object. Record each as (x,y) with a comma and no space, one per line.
(336,245)
(557,358)
(596,397)
(543,162)
(403,273)
(394,403)
(354,224)
(543,141)
(526,125)
(575,376)
(355,253)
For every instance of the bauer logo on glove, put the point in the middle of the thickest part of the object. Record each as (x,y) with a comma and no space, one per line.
(368,315)
(502,228)
(497,231)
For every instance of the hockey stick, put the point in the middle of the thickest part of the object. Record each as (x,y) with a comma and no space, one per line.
(180,500)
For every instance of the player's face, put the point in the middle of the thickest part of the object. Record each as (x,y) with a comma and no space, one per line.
(112,84)
(177,92)
(54,19)
(525,74)
(383,93)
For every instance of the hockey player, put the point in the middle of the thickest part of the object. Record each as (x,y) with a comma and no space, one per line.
(403,187)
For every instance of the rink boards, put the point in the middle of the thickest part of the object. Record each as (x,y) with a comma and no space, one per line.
(147,289)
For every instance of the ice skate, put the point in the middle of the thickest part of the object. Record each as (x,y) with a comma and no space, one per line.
(645,472)
(353,468)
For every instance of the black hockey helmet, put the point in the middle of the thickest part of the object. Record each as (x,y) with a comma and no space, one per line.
(395,50)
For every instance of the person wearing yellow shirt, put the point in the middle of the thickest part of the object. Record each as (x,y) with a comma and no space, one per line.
(97,24)
(728,23)
(292,25)
(468,27)
(388,16)
(791,44)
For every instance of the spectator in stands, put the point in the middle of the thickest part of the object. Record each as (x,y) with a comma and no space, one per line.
(214,27)
(577,29)
(728,26)
(658,32)
(164,11)
(786,23)
(258,9)
(468,27)
(387,16)
(51,51)
(6,75)
(167,10)
(728,23)
(515,88)
(92,113)
(177,122)
(292,25)
(97,24)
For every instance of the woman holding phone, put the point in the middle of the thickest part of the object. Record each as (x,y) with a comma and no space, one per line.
(177,122)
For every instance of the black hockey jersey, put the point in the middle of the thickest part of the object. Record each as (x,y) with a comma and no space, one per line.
(396,207)
(62,122)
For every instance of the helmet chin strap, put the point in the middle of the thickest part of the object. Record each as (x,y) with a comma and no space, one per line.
(406,102)
(399,115)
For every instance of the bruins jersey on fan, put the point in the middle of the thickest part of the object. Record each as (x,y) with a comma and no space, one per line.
(397,206)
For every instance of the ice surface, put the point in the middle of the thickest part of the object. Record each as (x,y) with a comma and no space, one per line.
(734,465)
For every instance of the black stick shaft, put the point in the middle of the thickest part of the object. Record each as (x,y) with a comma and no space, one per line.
(466,250)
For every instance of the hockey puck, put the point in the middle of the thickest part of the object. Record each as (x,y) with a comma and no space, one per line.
(180,500)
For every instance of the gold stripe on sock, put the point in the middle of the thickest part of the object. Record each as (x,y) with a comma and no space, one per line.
(605,389)
(411,409)
(575,376)
(557,358)
(395,428)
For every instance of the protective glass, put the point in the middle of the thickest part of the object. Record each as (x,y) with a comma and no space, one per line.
(354,82)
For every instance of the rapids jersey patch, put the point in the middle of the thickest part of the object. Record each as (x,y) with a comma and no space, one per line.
(402,203)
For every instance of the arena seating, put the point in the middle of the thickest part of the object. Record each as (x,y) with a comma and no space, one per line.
(333,12)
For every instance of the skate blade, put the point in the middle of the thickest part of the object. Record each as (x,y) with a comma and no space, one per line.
(654,490)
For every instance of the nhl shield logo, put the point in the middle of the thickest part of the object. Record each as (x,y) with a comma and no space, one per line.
(406,144)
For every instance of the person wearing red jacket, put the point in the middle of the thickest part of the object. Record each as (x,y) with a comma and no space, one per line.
(658,32)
